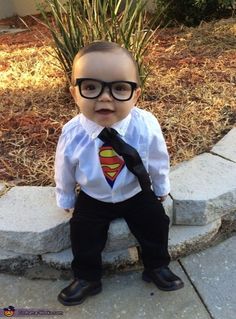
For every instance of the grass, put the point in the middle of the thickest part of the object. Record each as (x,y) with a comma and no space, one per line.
(191,91)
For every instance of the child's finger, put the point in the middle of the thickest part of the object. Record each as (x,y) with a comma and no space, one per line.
(162,198)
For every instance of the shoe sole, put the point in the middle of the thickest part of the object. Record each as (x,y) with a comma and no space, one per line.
(74,303)
(148,279)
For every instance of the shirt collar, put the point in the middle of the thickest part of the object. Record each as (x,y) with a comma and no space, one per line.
(93,129)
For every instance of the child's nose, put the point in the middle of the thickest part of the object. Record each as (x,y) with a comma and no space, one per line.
(106,95)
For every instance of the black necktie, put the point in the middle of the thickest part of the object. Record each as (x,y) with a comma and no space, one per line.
(130,155)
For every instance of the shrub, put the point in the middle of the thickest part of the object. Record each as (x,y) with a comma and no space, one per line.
(80,22)
(192,12)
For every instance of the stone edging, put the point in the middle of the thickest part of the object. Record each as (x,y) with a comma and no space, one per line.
(34,233)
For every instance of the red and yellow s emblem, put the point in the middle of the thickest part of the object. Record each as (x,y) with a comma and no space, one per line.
(111,163)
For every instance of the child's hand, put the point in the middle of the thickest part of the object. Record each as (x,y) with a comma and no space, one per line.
(162,198)
(68,210)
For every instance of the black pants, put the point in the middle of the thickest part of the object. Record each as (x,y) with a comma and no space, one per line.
(89,224)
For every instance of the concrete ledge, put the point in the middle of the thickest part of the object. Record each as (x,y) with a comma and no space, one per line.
(31,223)
(226,147)
(183,240)
(204,189)
(117,259)
(34,233)
(16,263)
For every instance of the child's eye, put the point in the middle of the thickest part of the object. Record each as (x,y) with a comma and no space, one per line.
(121,87)
(89,87)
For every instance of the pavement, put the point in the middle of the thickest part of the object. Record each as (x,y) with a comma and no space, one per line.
(209,292)
(10,30)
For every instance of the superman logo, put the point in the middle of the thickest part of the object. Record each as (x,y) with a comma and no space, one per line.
(111,164)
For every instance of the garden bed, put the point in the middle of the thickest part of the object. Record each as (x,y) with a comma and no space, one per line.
(191,90)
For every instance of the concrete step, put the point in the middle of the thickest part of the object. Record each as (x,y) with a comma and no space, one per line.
(226,147)
(203,193)
(203,190)
(182,241)
(31,223)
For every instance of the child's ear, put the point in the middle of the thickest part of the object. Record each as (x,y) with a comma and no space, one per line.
(73,92)
(137,94)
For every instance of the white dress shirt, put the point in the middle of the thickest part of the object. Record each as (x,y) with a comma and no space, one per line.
(77,160)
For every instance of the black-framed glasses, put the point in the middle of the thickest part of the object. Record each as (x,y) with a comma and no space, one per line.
(119,90)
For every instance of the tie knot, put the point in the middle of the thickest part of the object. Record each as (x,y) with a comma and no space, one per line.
(107,134)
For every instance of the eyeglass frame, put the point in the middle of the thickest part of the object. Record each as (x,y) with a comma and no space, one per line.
(134,87)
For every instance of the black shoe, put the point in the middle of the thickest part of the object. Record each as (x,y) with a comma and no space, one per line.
(78,291)
(163,278)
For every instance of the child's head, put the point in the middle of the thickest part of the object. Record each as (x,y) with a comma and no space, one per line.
(96,65)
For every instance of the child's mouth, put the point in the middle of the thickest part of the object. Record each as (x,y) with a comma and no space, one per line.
(104,111)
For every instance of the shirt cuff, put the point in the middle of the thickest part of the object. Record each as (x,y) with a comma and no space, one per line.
(65,201)
(161,190)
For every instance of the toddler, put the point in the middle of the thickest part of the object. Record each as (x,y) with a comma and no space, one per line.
(117,154)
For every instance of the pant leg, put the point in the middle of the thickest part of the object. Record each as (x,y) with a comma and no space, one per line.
(88,231)
(150,225)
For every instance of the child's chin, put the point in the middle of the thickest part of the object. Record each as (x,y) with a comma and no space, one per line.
(106,122)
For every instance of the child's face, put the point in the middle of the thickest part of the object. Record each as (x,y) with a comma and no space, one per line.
(105,110)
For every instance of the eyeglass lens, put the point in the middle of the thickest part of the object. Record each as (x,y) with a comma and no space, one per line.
(119,90)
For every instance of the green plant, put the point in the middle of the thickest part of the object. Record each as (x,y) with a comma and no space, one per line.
(192,12)
(80,22)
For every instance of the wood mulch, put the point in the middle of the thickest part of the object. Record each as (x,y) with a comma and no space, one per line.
(191,90)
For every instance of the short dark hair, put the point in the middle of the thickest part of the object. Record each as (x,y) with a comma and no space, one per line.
(103,46)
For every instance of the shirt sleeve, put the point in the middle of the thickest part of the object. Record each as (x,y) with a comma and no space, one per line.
(158,159)
(64,175)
